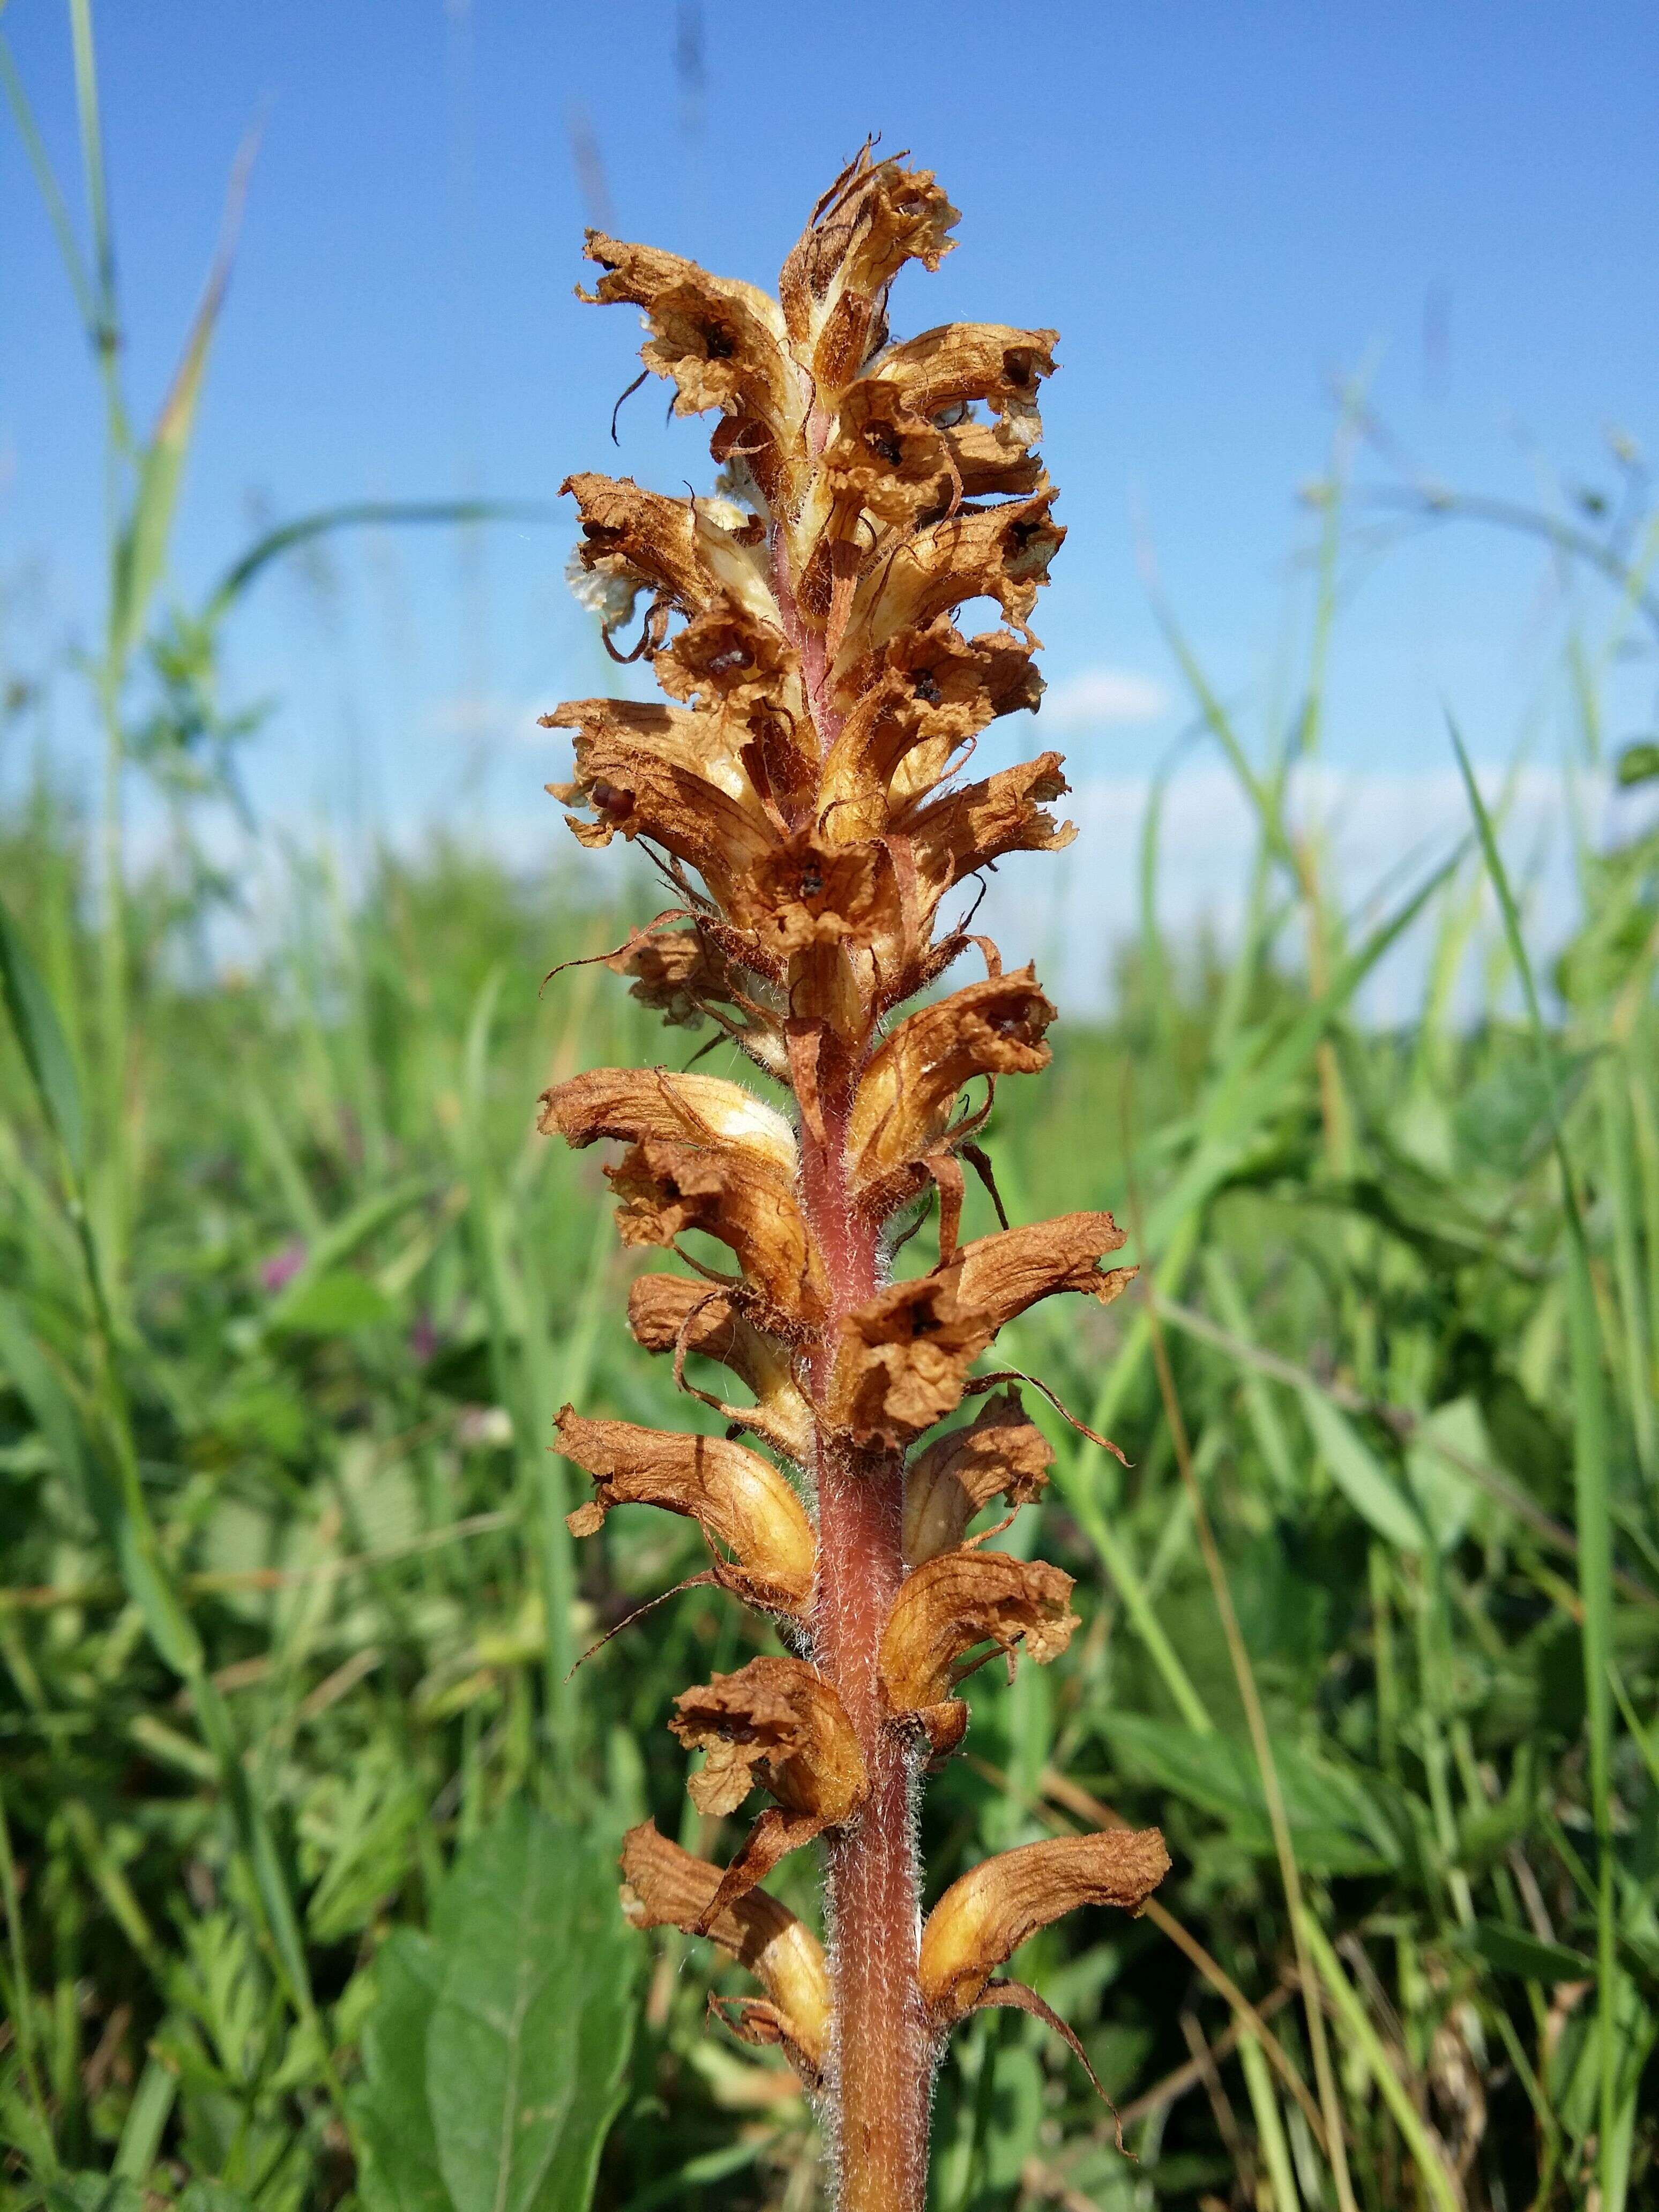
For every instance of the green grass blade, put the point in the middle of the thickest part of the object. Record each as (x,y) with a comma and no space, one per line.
(45,1046)
(1592,1498)
(1351,2014)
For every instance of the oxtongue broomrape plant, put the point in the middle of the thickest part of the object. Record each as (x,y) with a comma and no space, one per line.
(803,796)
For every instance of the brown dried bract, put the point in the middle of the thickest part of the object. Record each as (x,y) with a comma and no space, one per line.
(915,706)
(720,341)
(954,837)
(833,287)
(998,1453)
(1005,1275)
(909,1090)
(667,1188)
(671,546)
(668,1313)
(665,775)
(775,1724)
(667,1888)
(739,1499)
(948,1605)
(1000,553)
(981,1920)
(904,1359)
(635,1103)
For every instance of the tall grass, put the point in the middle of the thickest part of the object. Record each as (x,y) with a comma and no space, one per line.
(289,1294)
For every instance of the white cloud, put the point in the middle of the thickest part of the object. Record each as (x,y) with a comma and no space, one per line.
(1095,696)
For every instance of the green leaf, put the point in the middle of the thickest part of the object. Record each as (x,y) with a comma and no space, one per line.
(1638,763)
(46,1050)
(344,1237)
(1506,1121)
(1360,1475)
(530,2037)
(1445,1497)
(50,1405)
(334,1304)
(94,2192)
(214,2196)
(400,2172)
(1514,1952)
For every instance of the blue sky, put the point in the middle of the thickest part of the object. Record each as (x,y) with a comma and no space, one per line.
(1222,206)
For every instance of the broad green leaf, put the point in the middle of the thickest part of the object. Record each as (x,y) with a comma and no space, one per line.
(214,2196)
(1513,1950)
(94,2192)
(400,2172)
(334,1304)
(46,1050)
(1638,763)
(530,2036)
(341,1238)
(1445,1496)
(1360,1475)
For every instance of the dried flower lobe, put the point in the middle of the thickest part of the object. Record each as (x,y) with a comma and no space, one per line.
(981,1920)
(775,1724)
(737,1499)
(667,1888)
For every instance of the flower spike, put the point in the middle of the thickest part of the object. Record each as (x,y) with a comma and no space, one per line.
(803,787)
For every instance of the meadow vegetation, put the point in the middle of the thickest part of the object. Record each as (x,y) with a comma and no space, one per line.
(306,1859)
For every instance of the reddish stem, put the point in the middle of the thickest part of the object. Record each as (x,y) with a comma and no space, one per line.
(881,2063)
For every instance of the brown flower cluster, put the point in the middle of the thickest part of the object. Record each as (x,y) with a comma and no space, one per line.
(805,799)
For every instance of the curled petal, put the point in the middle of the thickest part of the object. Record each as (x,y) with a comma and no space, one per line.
(678,972)
(982,1920)
(720,341)
(776,1724)
(667,1888)
(903,1357)
(908,1093)
(667,1188)
(910,710)
(1005,813)
(810,892)
(671,546)
(996,552)
(989,463)
(732,656)
(999,1454)
(884,459)
(956,363)
(686,976)
(874,218)
(668,1313)
(662,773)
(902,1360)
(950,1604)
(737,1499)
(1002,1275)
(632,1102)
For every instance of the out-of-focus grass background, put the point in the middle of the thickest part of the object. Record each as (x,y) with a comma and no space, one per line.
(305,1860)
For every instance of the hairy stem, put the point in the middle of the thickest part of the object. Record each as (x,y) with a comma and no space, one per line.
(880,2066)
